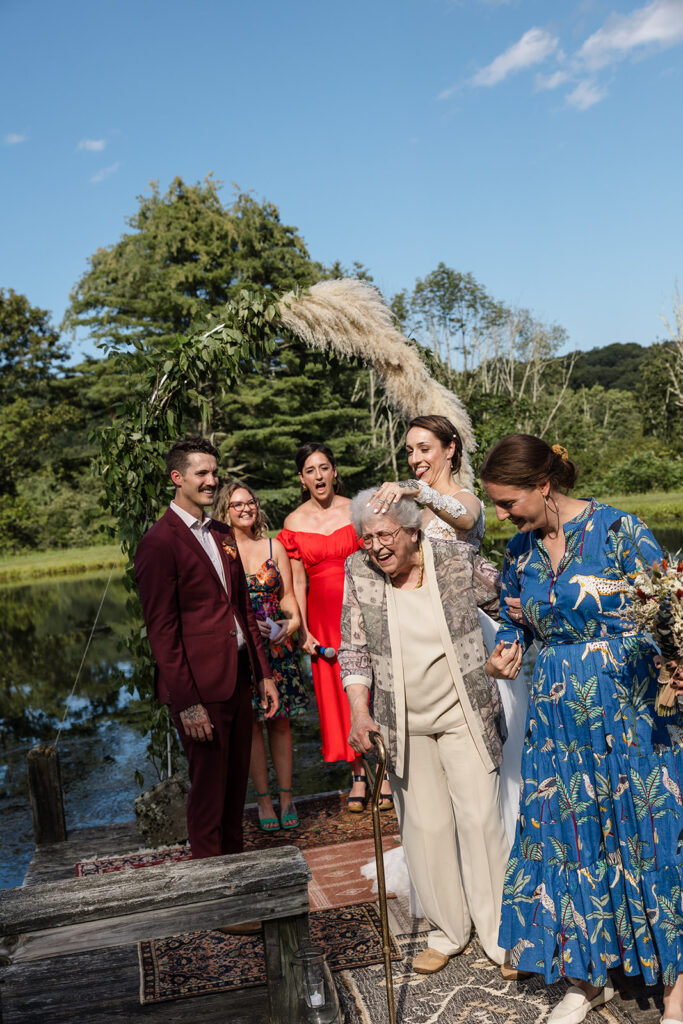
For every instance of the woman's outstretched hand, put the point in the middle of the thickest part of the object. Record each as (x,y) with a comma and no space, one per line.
(505,661)
(392,491)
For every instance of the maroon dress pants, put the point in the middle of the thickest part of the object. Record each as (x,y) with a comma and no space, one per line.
(219,772)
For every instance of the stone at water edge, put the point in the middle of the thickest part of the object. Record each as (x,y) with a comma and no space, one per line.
(161,812)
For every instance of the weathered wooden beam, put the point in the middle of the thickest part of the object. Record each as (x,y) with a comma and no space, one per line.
(123,906)
(45,790)
(281,939)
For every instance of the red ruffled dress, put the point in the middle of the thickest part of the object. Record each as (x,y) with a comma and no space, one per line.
(323,558)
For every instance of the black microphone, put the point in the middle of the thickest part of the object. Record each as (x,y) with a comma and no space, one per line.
(325,652)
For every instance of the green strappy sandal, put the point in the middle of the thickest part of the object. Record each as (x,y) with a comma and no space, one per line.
(268,824)
(290,819)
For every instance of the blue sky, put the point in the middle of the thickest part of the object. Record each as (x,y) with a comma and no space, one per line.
(534,143)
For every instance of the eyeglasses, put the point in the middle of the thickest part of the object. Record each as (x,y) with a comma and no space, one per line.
(239,505)
(385,537)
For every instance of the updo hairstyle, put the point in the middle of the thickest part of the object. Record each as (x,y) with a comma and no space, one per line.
(443,429)
(307,449)
(523,460)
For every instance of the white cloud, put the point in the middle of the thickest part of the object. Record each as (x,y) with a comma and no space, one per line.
(106,172)
(586,94)
(552,81)
(658,24)
(535,46)
(92,145)
(14,138)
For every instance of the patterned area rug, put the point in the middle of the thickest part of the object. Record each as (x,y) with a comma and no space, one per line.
(324,821)
(337,881)
(469,990)
(202,962)
(135,859)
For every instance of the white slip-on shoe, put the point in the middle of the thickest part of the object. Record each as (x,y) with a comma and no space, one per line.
(575,1006)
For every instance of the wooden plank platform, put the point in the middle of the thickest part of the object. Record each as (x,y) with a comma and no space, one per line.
(57,860)
(87,988)
(61,936)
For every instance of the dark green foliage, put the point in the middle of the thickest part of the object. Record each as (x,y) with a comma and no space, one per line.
(613,366)
(648,469)
(299,395)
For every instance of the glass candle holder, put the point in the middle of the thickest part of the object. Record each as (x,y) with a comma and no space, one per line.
(314,988)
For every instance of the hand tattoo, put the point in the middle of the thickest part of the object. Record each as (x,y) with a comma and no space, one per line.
(196,713)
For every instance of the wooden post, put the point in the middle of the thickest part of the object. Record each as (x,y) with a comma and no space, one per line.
(45,790)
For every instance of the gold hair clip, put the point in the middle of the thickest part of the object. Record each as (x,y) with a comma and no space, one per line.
(561,451)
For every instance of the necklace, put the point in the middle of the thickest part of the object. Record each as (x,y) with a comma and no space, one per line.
(421,567)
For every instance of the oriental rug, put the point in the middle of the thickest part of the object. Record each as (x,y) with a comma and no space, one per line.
(200,963)
(324,821)
(469,990)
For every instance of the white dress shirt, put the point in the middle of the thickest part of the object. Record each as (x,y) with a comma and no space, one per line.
(201,529)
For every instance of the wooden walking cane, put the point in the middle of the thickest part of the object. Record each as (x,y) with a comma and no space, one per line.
(378,742)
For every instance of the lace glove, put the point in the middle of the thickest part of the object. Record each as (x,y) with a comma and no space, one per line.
(443,502)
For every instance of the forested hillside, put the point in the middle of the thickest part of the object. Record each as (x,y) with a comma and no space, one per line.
(618,409)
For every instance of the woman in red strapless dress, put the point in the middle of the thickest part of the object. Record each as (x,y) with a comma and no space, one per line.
(318,537)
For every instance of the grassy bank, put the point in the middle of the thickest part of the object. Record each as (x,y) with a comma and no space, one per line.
(36,565)
(657,507)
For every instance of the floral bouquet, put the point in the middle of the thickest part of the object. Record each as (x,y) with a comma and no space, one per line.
(657,608)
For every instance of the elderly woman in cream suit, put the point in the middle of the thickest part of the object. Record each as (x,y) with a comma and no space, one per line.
(411,636)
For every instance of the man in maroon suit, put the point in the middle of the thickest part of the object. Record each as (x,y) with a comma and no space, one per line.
(205,639)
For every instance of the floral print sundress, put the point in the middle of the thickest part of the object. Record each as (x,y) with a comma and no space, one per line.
(594,876)
(264,587)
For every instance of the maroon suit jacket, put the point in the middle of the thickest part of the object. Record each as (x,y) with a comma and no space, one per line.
(190,618)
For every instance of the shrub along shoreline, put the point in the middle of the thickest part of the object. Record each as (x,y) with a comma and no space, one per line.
(37,565)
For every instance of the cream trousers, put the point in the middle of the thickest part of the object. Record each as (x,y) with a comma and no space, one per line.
(448,809)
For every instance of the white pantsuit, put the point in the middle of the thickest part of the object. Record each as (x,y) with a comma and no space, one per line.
(453,836)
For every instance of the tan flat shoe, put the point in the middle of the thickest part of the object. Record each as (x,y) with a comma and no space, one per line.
(511,973)
(246,928)
(429,961)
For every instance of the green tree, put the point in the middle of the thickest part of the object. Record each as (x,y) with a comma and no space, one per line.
(453,314)
(30,349)
(187,255)
(33,414)
(295,396)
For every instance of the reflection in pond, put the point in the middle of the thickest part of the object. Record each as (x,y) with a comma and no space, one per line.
(44,628)
(670,538)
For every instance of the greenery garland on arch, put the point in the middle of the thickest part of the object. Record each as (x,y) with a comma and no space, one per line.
(175,387)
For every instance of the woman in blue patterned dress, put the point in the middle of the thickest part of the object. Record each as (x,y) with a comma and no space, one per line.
(594,876)
(269,578)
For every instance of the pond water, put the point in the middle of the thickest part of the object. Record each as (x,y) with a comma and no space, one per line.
(43,632)
(44,629)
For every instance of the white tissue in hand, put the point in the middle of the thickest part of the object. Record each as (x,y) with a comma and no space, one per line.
(274,628)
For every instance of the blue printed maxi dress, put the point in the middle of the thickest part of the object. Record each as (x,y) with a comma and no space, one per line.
(594,876)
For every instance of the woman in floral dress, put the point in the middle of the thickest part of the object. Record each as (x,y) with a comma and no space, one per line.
(269,579)
(594,876)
